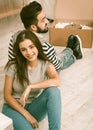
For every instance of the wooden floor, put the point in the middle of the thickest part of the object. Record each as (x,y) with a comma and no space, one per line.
(77,83)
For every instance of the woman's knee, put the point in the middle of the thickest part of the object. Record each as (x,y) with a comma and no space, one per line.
(53,92)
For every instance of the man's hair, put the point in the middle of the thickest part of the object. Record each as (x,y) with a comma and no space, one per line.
(29,14)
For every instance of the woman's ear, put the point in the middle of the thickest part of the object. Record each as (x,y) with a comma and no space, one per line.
(33,27)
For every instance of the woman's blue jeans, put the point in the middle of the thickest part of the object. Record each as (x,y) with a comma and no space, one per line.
(67,58)
(48,103)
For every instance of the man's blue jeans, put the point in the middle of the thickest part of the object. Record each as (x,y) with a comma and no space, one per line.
(48,103)
(67,58)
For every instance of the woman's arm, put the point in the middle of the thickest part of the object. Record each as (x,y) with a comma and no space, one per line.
(54,81)
(14,104)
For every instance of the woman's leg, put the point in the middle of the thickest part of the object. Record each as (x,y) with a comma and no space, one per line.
(49,102)
(54,108)
(19,122)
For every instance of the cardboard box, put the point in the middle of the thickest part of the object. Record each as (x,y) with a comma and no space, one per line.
(70,9)
(59,36)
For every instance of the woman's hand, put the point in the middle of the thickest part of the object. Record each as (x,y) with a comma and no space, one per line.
(24,96)
(31,120)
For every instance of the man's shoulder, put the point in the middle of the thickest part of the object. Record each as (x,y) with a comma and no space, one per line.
(14,36)
(16,33)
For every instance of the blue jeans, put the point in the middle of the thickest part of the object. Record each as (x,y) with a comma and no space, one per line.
(67,58)
(48,103)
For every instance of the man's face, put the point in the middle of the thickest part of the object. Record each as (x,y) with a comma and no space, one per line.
(42,25)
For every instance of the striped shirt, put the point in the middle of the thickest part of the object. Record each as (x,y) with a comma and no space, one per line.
(47,48)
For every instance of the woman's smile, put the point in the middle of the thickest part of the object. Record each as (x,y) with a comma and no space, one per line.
(28,50)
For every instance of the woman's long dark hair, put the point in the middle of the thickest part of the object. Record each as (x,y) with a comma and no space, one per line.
(19,60)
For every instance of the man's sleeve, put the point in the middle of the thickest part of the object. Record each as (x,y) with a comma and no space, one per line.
(51,54)
(11,54)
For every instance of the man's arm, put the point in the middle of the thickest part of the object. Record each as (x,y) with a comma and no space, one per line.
(51,54)
(10,47)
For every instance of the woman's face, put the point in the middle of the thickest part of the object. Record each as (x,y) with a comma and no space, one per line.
(28,50)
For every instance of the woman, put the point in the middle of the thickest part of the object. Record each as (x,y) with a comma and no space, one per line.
(31,86)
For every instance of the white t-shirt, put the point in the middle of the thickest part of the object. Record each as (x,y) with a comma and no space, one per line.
(36,75)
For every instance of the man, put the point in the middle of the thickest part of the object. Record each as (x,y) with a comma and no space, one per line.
(34,19)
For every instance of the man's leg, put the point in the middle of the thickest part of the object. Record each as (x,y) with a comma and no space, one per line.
(72,52)
(67,58)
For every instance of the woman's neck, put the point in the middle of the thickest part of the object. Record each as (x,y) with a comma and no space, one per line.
(32,65)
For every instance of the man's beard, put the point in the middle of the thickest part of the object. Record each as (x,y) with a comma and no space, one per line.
(42,31)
